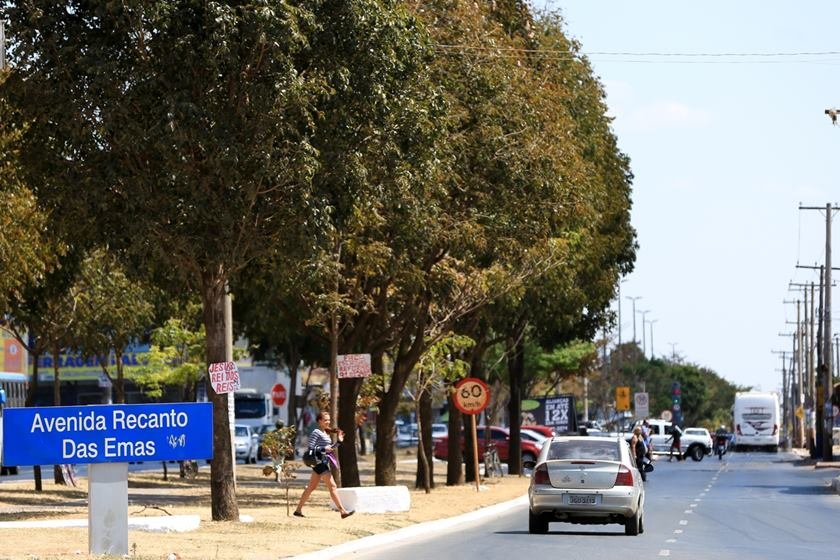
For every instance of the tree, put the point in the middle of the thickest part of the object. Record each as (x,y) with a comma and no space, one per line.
(185,134)
(27,252)
(113,311)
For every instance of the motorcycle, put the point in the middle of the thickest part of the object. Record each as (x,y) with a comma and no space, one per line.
(720,446)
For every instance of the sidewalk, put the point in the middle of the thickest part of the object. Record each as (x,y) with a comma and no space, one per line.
(805,456)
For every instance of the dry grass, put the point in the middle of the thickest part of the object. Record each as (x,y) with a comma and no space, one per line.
(273,533)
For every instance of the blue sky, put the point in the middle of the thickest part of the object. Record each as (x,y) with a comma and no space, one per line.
(724,151)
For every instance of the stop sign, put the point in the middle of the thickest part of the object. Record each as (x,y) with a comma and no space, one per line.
(278,394)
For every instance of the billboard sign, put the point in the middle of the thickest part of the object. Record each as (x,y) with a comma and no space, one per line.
(107,433)
(557,412)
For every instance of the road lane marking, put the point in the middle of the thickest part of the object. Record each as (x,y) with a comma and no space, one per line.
(670,540)
(689,511)
(692,505)
(678,531)
(683,521)
(664,552)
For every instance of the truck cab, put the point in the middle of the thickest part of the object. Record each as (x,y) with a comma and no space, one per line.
(661,430)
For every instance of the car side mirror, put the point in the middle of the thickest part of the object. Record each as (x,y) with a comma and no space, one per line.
(529,464)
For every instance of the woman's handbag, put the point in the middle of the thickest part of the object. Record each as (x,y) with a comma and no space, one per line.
(312,457)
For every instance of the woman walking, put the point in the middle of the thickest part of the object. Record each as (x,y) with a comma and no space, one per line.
(321,443)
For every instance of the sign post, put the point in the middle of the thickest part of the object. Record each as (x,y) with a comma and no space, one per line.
(108,437)
(471,397)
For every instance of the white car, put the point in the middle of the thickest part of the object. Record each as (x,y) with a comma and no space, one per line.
(246,442)
(586,480)
(701,434)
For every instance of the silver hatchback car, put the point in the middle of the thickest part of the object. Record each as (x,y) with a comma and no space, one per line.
(586,480)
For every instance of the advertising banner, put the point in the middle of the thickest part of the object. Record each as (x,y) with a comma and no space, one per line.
(557,412)
(107,433)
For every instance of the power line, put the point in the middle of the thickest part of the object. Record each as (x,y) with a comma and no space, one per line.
(657,57)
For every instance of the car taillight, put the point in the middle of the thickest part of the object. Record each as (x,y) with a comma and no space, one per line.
(738,429)
(775,429)
(541,475)
(624,477)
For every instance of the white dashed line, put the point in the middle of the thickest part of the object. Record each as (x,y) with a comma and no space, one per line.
(677,531)
(664,552)
(689,511)
(670,541)
(683,521)
(692,505)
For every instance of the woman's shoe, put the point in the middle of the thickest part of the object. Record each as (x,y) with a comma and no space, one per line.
(348,514)
(298,514)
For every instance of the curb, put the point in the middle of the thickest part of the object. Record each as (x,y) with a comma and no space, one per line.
(372,541)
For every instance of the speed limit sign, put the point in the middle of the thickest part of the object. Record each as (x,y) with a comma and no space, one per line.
(471,395)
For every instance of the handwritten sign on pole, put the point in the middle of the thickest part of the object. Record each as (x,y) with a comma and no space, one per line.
(224,377)
(353,365)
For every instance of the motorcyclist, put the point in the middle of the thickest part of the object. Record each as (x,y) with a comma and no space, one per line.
(721,440)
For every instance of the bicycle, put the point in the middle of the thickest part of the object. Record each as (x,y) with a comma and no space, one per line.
(492,463)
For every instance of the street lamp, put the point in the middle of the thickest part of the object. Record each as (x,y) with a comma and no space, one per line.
(633,299)
(643,313)
(651,336)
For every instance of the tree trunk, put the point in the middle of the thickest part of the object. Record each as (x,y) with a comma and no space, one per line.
(454,470)
(120,384)
(516,373)
(386,462)
(425,451)
(30,401)
(294,361)
(347,422)
(58,474)
(224,506)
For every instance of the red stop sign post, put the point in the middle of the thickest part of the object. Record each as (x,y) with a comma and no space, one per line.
(278,394)
(471,396)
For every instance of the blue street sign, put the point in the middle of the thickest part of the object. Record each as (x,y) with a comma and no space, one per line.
(120,433)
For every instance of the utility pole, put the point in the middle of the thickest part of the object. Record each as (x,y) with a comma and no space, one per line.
(643,313)
(633,299)
(651,336)
(785,400)
(825,375)
(673,346)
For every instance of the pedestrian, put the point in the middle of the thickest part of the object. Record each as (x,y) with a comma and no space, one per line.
(646,436)
(320,441)
(675,444)
(638,450)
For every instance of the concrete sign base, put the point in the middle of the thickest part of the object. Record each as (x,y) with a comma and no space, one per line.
(108,508)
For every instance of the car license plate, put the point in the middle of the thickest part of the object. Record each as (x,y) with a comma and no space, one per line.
(584,499)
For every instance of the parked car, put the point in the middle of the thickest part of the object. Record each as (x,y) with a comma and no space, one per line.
(500,437)
(439,431)
(246,443)
(406,435)
(547,431)
(586,480)
(532,435)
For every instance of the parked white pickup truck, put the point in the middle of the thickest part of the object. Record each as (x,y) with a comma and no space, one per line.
(693,443)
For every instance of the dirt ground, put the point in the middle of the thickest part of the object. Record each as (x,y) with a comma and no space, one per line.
(273,532)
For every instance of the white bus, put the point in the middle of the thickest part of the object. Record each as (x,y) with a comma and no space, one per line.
(13,387)
(757,420)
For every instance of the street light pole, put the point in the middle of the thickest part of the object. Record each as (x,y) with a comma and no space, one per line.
(643,313)
(651,336)
(633,299)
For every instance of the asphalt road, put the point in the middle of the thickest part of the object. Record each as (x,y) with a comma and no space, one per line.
(748,506)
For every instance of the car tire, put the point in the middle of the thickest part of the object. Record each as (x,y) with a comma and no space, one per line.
(537,524)
(696,453)
(528,457)
(633,525)
(641,523)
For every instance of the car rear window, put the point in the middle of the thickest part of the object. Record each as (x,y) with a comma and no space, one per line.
(582,449)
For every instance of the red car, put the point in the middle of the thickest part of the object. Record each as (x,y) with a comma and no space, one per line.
(547,431)
(499,436)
